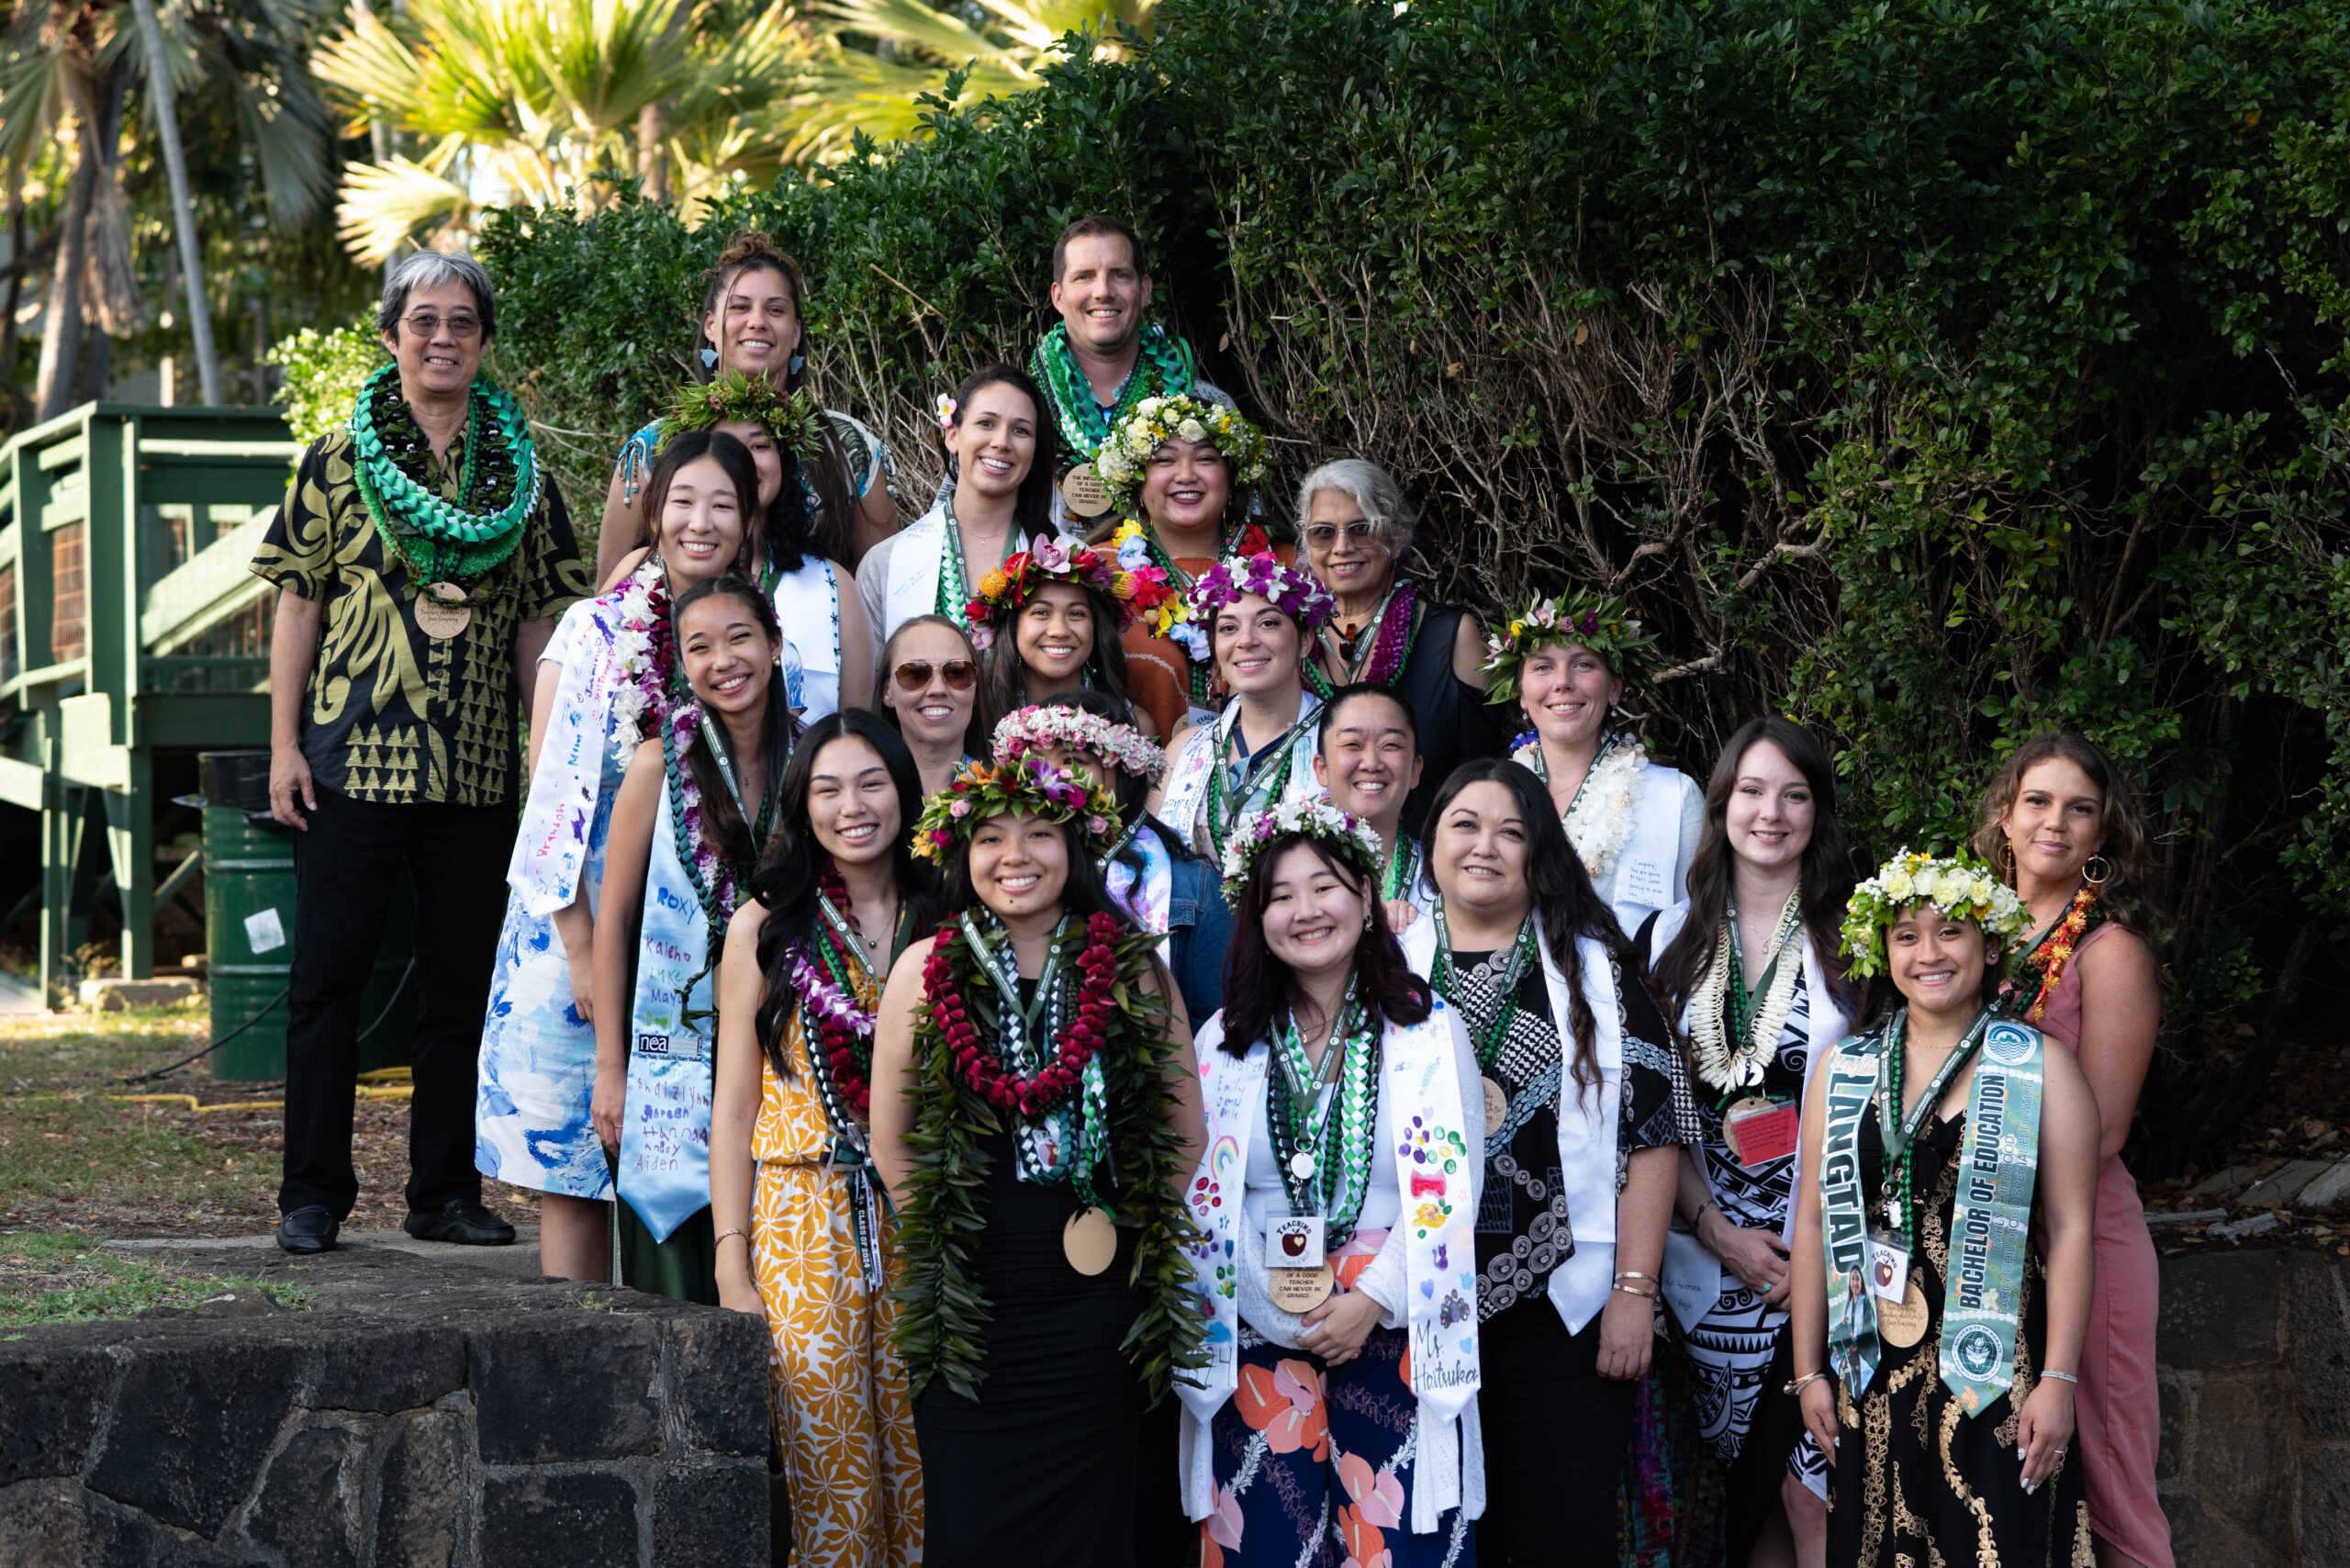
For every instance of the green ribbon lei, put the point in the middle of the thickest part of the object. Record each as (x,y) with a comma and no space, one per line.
(436,540)
(1336,1137)
(1489,1036)
(1162,368)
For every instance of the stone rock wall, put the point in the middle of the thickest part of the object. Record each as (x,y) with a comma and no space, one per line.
(2255,1352)
(420,1415)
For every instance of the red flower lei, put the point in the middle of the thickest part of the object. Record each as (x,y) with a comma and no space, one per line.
(2050,958)
(1097,969)
(838,1039)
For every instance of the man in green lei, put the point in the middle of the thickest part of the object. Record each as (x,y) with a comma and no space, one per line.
(421,557)
(1102,361)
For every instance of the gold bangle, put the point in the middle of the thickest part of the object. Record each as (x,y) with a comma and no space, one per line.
(1636,1274)
(1635,1290)
(1795,1388)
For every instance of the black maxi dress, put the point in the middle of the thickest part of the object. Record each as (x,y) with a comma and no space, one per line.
(1041,1466)
(1916,1480)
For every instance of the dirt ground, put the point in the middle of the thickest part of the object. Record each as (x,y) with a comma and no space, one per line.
(72,1158)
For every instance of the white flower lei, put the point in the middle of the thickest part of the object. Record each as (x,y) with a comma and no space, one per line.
(1599,822)
(1719,1061)
(635,622)
(1352,836)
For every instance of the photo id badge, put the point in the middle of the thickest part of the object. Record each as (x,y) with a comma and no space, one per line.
(1888,1266)
(1759,1132)
(1293,1241)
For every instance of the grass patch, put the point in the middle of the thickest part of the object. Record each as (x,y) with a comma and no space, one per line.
(59,1277)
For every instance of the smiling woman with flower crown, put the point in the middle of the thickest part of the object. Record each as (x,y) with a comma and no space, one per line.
(1337,1209)
(1253,616)
(1049,621)
(1946,1152)
(1180,470)
(1564,662)
(1035,1114)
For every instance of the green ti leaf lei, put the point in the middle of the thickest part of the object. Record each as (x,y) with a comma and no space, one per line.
(438,541)
(943,1224)
(1162,368)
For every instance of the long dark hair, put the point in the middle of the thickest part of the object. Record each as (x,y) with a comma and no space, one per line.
(689,446)
(1260,988)
(1106,664)
(723,826)
(2124,891)
(1032,508)
(831,529)
(1826,869)
(785,882)
(977,734)
(1566,900)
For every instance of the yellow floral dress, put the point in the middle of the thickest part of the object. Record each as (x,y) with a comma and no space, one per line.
(836,1383)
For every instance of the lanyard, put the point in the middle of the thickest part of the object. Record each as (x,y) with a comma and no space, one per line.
(1448,980)
(1223,820)
(1900,1130)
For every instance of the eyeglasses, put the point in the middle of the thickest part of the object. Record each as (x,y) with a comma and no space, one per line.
(1321,536)
(915,674)
(424,323)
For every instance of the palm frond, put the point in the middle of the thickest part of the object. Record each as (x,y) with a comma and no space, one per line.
(384,205)
(950,39)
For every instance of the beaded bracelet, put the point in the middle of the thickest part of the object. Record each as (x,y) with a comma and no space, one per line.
(724,1234)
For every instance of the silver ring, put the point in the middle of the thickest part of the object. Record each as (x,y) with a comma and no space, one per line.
(2060,1453)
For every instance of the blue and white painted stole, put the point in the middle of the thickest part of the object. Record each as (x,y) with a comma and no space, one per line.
(664,1131)
(599,654)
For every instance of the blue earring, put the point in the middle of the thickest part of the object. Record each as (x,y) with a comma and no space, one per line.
(708,358)
(797,361)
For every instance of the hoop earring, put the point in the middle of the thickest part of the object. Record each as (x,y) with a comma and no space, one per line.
(2006,862)
(2096,870)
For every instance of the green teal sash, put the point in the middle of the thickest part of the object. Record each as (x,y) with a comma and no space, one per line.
(1991,1223)
(1853,1347)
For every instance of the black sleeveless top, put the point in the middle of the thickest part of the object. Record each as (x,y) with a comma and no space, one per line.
(1456,725)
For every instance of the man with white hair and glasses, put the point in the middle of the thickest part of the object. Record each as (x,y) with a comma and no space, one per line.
(421,556)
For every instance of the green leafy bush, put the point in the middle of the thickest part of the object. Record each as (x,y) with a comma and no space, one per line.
(1936,376)
(324,371)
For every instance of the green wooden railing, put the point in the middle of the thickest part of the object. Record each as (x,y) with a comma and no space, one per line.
(129,625)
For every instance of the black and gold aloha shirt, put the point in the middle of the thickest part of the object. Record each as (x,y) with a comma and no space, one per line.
(394,715)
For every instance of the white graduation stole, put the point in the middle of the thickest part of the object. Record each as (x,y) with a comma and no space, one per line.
(808,606)
(665,1129)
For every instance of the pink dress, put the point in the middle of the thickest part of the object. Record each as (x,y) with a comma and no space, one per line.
(2119,1409)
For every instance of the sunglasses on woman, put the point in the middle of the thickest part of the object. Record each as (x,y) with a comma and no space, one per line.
(959,674)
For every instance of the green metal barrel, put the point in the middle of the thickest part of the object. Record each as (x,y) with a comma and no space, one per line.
(249,937)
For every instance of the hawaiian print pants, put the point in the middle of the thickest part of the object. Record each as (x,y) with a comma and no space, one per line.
(1313,1465)
(835,1383)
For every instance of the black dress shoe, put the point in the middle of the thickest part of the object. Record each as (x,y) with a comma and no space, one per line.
(308,1229)
(463,1221)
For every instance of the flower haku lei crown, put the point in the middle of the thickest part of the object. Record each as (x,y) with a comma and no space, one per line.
(1290,589)
(1123,458)
(1003,590)
(791,415)
(980,791)
(1355,840)
(1585,619)
(1043,727)
(1962,888)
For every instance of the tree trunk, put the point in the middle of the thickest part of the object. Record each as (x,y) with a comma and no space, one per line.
(16,292)
(167,127)
(652,162)
(60,342)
